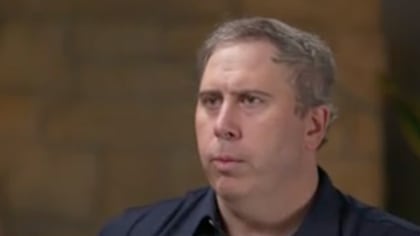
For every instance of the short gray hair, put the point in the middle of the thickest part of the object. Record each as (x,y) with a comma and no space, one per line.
(309,57)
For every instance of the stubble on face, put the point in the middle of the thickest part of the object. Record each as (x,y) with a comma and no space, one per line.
(244,91)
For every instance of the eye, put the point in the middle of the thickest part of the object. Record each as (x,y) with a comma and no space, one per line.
(210,101)
(250,100)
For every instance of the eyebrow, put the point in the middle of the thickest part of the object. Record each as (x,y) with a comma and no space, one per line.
(208,92)
(252,91)
(236,92)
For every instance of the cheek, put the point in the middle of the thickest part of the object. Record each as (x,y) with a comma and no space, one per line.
(275,133)
(203,132)
(203,128)
(200,122)
(269,126)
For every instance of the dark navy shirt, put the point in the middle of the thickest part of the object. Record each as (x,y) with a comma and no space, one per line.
(196,214)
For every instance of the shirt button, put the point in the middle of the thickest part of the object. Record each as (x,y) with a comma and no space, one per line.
(211,222)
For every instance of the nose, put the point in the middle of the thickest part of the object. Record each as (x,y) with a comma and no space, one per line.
(227,124)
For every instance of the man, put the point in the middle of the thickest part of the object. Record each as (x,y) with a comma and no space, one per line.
(263,110)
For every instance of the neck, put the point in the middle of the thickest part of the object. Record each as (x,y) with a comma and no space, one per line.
(278,213)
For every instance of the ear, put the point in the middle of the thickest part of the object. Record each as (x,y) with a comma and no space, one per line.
(316,122)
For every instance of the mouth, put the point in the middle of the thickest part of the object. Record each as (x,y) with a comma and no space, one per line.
(225,163)
(225,158)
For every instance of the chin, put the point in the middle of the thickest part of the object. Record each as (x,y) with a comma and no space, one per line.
(229,187)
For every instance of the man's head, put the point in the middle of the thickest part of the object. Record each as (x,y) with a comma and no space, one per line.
(264,103)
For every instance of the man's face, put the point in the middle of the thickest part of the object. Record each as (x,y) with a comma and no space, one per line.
(249,138)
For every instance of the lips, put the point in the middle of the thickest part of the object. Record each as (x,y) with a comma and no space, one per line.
(225,163)
(225,158)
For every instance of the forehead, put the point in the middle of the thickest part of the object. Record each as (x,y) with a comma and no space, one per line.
(251,65)
(246,52)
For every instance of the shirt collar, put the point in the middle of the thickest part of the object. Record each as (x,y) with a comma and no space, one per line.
(322,218)
(204,213)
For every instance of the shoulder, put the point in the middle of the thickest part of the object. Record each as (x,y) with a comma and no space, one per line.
(395,226)
(371,221)
(151,218)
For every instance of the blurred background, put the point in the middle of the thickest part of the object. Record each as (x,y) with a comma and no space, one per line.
(97,101)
